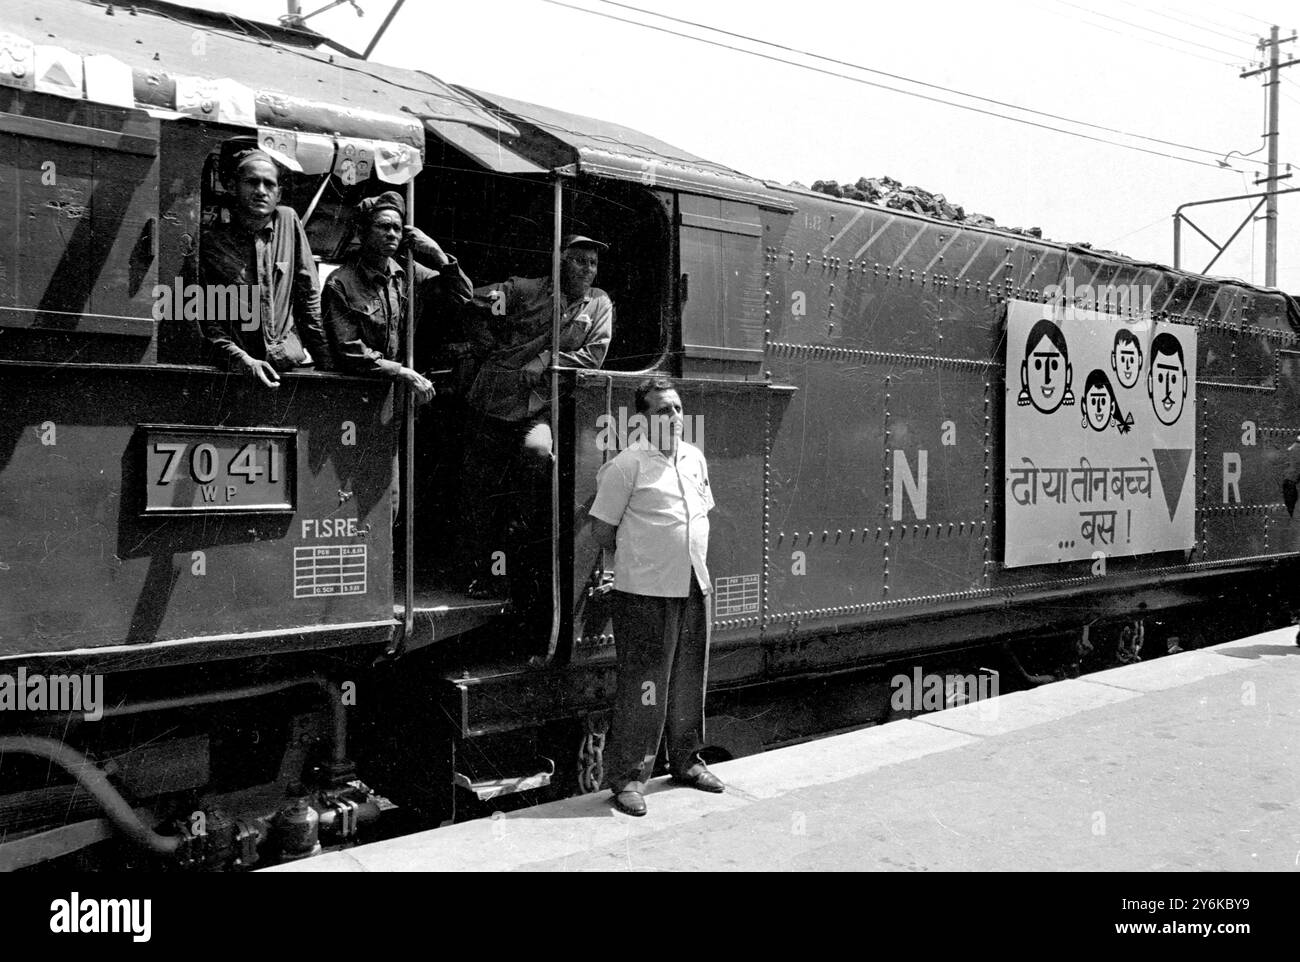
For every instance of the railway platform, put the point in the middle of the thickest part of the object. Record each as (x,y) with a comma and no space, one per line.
(1188,762)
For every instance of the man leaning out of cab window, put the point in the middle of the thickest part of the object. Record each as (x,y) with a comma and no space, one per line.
(263,250)
(365,301)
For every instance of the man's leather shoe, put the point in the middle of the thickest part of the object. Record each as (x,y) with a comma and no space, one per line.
(697,776)
(630,802)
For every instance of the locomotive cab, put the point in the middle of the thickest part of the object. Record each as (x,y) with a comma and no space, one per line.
(501,228)
(498,226)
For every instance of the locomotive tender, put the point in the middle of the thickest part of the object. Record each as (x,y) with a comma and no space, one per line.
(220,561)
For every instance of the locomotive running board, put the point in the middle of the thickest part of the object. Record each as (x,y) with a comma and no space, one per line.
(440,615)
(488,789)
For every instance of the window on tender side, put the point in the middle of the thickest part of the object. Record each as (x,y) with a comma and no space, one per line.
(721,260)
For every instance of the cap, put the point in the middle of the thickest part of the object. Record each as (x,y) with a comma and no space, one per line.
(248,156)
(577,240)
(388,200)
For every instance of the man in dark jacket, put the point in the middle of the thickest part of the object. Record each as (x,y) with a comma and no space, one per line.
(263,251)
(365,301)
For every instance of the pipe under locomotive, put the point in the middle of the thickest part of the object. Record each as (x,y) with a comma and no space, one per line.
(283,669)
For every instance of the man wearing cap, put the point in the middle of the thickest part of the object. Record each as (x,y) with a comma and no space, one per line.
(511,393)
(364,302)
(264,250)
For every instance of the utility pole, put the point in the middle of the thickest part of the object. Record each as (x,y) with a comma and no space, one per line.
(1273,69)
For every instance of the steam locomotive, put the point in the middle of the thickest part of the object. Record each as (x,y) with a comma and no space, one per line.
(218,649)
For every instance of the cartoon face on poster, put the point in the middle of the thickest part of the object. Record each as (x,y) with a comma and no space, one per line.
(1100,435)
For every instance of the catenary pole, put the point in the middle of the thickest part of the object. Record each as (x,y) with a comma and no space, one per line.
(1274,82)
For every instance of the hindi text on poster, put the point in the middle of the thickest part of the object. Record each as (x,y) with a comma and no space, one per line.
(1100,435)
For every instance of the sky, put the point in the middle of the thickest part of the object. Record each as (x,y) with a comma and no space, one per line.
(1168,71)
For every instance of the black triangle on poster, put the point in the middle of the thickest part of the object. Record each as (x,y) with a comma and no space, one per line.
(1171,465)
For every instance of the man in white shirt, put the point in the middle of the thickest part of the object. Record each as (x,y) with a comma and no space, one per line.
(652,504)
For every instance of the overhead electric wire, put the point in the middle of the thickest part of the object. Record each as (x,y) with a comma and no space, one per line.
(1128,35)
(1186,20)
(1248,16)
(1138,26)
(1250,35)
(1164,219)
(911,80)
(881,86)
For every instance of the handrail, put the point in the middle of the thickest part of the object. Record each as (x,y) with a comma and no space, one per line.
(408,441)
(556,313)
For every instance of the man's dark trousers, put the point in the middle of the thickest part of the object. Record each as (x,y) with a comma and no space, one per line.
(662,649)
(503,479)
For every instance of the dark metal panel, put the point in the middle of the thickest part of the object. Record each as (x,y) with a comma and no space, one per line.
(185,149)
(938,561)
(1217,350)
(81,567)
(1244,464)
(1234,532)
(54,230)
(1254,356)
(728,425)
(123,264)
(84,194)
(1278,440)
(940,538)
(857,276)
(827,510)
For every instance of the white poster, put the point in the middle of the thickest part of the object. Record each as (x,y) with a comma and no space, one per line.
(1100,435)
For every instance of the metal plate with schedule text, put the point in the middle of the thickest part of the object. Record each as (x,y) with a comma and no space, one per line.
(197,470)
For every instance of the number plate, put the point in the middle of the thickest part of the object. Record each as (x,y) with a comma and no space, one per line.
(197,470)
